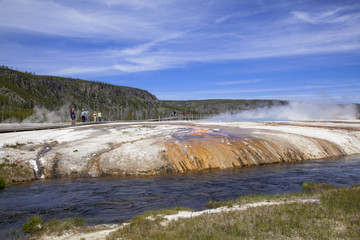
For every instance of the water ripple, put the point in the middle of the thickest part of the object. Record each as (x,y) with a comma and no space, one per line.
(115,200)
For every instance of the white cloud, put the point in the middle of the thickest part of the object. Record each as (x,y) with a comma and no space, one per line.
(304,16)
(150,62)
(140,35)
(338,15)
(276,92)
(46,17)
(267,40)
(237,82)
(81,70)
(140,49)
(332,93)
(132,3)
(91,21)
(227,17)
(286,88)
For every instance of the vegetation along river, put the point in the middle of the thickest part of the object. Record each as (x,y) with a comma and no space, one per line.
(116,200)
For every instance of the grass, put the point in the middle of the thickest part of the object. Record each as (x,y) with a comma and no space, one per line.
(15,146)
(252,198)
(159,212)
(34,226)
(3,183)
(335,215)
(37,227)
(13,172)
(145,222)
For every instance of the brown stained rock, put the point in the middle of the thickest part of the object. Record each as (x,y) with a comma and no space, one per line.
(194,153)
(161,148)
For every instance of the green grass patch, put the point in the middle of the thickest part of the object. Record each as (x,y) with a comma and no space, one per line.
(253,198)
(336,215)
(57,226)
(156,215)
(34,226)
(343,200)
(15,146)
(37,227)
(156,212)
(149,222)
(15,172)
(316,187)
(3,183)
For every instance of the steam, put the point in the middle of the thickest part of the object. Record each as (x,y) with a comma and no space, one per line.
(292,111)
(43,115)
(295,111)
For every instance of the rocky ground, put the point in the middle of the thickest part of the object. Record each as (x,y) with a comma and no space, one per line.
(165,147)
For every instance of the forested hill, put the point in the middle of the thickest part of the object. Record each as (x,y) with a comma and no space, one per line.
(216,106)
(24,95)
(20,92)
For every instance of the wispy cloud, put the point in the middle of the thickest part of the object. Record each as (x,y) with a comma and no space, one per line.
(233,15)
(324,17)
(304,16)
(303,92)
(237,82)
(81,70)
(142,48)
(48,17)
(88,20)
(135,4)
(252,41)
(282,89)
(139,35)
(343,14)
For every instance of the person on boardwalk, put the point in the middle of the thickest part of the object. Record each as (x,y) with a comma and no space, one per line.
(99,116)
(83,115)
(72,115)
(94,116)
(87,115)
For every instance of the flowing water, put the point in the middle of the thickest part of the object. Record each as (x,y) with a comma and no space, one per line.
(116,200)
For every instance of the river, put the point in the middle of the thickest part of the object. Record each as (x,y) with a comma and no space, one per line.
(117,199)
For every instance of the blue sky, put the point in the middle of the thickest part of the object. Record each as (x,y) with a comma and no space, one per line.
(192,49)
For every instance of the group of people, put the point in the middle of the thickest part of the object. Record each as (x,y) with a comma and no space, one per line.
(84,116)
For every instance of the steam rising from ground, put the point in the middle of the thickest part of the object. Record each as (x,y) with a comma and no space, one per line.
(43,115)
(292,111)
(295,111)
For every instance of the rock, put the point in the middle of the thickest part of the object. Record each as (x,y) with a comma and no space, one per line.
(161,148)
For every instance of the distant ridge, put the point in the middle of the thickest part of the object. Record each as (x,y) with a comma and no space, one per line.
(24,95)
(20,92)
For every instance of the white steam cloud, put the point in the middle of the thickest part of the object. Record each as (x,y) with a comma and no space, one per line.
(295,111)
(43,115)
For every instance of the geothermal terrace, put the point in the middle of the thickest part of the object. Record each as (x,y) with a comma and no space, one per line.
(167,147)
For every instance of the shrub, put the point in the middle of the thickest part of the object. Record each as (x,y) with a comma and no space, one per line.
(308,186)
(315,187)
(217,204)
(34,226)
(2,183)
(77,222)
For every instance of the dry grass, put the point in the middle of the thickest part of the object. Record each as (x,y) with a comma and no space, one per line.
(37,227)
(14,172)
(335,216)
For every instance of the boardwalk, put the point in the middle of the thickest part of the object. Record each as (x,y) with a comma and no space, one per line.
(20,127)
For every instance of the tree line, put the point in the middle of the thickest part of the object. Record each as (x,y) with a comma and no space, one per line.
(22,94)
